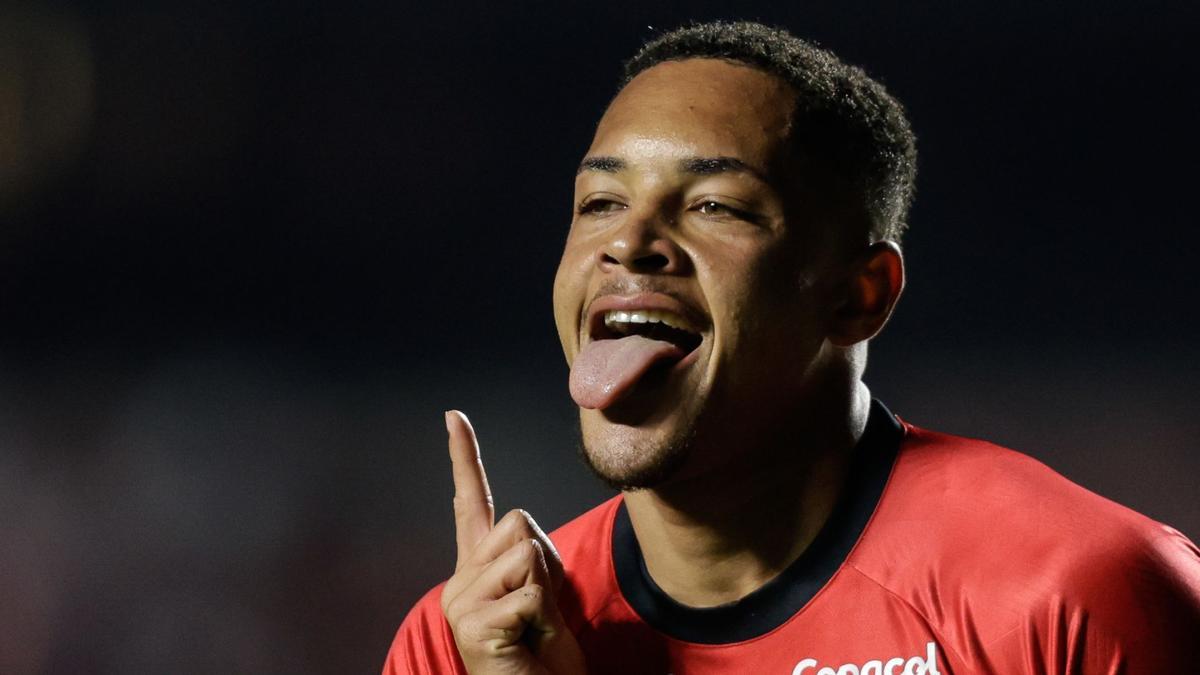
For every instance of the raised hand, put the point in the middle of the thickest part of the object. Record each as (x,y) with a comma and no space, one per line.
(501,600)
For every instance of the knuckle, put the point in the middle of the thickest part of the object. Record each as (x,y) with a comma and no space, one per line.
(454,611)
(533,592)
(520,520)
(513,518)
(536,549)
(480,637)
(529,525)
(467,504)
(531,549)
(521,550)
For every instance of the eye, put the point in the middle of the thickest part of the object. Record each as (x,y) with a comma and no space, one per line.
(598,205)
(715,209)
(711,208)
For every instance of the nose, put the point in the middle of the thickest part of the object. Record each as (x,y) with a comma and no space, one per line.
(642,244)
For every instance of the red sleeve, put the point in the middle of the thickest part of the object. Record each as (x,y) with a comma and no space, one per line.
(1135,611)
(424,644)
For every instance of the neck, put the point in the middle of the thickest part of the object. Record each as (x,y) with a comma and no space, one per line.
(714,537)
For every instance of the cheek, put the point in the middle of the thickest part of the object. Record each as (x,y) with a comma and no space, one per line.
(765,304)
(741,280)
(570,288)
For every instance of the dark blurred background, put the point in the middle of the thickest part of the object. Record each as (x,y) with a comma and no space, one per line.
(250,252)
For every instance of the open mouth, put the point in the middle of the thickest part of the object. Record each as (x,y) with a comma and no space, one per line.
(628,341)
(652,324)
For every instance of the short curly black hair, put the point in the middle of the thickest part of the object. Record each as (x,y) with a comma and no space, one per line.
(845,124)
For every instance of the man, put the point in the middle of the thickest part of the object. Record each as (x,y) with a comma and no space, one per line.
(734,247)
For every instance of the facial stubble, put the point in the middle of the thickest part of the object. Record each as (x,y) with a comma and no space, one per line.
(639,466)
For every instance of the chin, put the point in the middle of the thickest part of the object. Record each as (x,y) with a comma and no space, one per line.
(633,457)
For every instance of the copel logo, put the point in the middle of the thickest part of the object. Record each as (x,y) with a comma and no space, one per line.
(917,665)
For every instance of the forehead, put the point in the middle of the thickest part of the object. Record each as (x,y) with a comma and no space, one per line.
(698,107)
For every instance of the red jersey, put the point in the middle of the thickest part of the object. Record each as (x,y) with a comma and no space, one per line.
(945,555)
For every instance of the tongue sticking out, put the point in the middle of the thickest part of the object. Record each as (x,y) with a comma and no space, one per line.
(605,370)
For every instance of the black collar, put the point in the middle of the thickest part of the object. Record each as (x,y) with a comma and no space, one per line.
(779,599)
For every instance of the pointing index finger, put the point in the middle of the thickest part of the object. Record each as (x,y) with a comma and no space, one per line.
(474,513)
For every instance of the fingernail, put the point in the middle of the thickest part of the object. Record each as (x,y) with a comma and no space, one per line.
(446,414)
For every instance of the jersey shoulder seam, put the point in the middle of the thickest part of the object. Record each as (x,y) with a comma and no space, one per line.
(932,628)
(613,598)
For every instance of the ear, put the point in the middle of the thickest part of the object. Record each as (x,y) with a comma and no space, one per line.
(869,294)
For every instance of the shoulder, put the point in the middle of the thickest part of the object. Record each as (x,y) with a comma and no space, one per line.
(967,488)
(974,534)
(424,643)
(980,487)
(995,509)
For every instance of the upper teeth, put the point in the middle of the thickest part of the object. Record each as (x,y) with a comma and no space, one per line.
(648,316)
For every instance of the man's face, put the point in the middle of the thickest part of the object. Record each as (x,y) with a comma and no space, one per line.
(684,299)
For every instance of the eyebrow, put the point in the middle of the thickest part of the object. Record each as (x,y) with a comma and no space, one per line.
(706,166)
(701,166)
(605,164)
